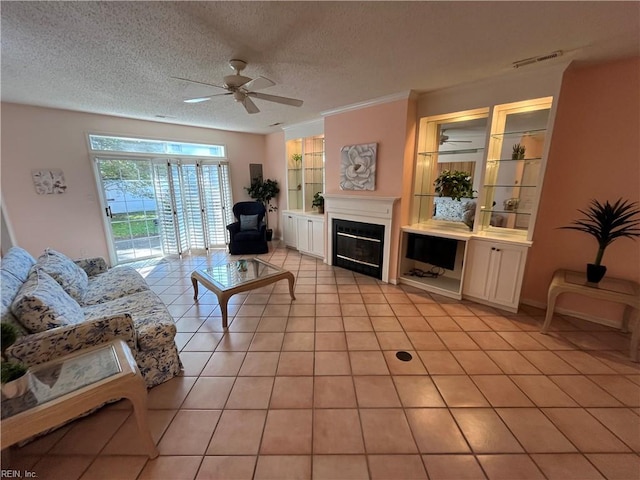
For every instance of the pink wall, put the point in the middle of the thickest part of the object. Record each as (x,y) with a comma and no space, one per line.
(275,169)
(41,138)
(595,153)
(392,126)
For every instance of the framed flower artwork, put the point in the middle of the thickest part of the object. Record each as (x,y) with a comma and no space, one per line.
(49,181)
(358,167)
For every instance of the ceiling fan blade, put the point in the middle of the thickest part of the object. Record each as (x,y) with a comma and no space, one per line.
(274,98)
(197,100)
(249,106)
(204,99)
(199,83)
(259,83)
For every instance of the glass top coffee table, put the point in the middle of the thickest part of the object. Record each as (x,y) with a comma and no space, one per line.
(238,276)
(67,387)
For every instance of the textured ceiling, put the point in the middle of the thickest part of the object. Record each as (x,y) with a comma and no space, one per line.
(118,58)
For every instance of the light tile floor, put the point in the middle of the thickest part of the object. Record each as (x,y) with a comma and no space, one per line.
(313,389)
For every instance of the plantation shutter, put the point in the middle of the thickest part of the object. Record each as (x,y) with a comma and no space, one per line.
(194,203)
(216,193)
(192,207)
(169,203)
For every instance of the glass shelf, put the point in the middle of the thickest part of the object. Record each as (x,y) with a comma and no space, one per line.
(515,160)
(508,185)
(519,134)
(506,212)
(452,152)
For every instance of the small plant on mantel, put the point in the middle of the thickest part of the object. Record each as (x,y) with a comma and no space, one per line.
(454,184)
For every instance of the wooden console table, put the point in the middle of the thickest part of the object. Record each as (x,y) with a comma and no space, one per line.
(626,292)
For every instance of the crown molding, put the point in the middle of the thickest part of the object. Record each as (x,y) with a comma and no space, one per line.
(370,103)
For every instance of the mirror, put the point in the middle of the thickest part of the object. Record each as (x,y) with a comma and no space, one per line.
(515,169)
(460,153)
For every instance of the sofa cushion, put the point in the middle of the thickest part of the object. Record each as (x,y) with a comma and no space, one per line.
(248,222)
(152,321)
(42,304)
(10,287)
(63,270)
(114,283)
(18,262)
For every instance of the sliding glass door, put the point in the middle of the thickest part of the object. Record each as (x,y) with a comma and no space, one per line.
(163,206)
(130,207)
(161,196)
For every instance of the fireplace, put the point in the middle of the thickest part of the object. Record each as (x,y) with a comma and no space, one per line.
(358,246)
(361,209)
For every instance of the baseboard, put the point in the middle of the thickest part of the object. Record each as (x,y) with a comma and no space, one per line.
(572,313)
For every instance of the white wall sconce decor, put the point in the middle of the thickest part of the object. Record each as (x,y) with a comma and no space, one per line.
(358,167)
(49,181)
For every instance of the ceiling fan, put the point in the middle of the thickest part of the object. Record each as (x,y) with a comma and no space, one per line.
(445,139)
(243,89)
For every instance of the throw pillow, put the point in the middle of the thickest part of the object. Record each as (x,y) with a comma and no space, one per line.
(63,270)
(42,304)
(248,222)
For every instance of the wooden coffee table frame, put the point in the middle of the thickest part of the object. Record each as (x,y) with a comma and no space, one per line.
(127,383)
(224,293)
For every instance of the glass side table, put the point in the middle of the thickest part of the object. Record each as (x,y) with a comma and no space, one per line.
(618,290)
(67,387)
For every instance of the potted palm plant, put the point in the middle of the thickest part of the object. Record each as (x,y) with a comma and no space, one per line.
(13,376)
(606,222)
(264,191)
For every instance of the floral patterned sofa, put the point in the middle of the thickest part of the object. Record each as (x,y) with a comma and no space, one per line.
(61,306)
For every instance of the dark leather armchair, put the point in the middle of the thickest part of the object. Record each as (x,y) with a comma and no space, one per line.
(248,234)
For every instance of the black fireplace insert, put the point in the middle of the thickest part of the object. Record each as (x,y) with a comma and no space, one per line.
(358,246)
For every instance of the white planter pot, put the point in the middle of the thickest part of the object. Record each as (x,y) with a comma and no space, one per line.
(17,387)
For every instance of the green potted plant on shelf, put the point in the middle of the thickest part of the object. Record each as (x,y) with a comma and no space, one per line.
(297,159)
(518,152)
(12,375)
(264,191)
(318,202)
(454,184)
(606,222)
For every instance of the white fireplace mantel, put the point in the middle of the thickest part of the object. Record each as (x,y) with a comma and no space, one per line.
(365,209)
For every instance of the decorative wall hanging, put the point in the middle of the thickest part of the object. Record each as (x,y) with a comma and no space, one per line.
(49,181)
(358,167)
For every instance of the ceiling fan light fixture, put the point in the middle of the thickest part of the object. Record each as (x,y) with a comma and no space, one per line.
(235,81)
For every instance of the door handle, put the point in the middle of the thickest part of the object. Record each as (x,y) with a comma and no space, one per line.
(108,211)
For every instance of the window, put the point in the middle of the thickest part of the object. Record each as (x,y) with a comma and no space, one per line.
(105,143)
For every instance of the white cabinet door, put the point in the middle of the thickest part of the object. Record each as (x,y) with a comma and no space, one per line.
(304,237)
(290,228)
(476,271)
(508,262)
(494,272)
(317,237)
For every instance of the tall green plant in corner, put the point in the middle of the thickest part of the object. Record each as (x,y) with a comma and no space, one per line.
(264,191)
(606,222)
